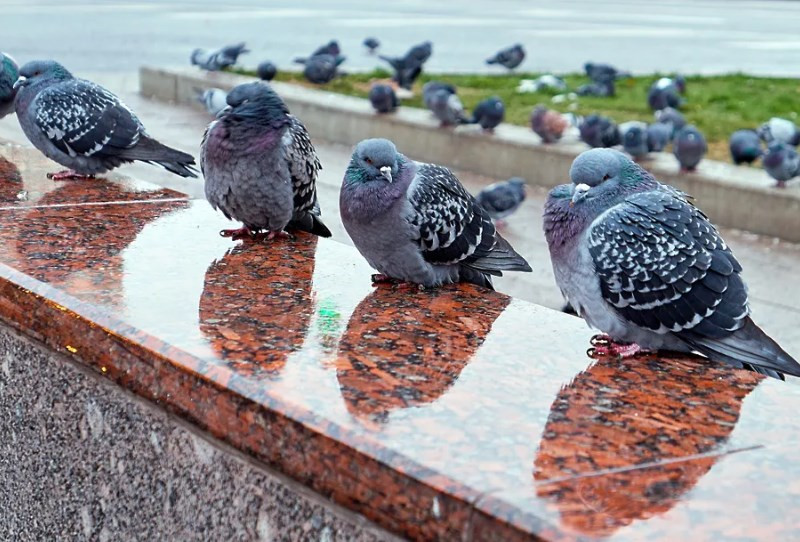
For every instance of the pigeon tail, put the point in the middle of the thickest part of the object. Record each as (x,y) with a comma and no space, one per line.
(501,258)
(751,347)
(310,223)
(492,60)
(473,276)
(150,150)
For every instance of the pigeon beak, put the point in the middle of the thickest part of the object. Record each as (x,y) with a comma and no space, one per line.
(224,111)
(21,82)
(579,193)
(386,171)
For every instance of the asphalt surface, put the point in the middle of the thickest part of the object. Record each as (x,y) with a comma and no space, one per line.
(677,35)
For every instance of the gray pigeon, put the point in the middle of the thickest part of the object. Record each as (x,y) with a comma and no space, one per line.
(782,130)
(415,222)
(489,113)
(84,127)
(548,125)
(9,72)
(409,67)
(510,57)
(602,73)
(383,98)
(219,59)
(267,71)
(782,162)
(658,136)
(320,69)
(600,89)
(431,87)
(502,199)
(447,107)
(634,138)
(215,100)
(640,263)
(599,131)
(331,48)
(671,117)
(260,166)
(689,147)
(662,95)
(371,44)
(745,146)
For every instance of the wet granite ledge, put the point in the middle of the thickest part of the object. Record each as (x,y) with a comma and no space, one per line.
(453,414)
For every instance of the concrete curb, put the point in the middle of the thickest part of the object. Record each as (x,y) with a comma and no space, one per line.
(732,196)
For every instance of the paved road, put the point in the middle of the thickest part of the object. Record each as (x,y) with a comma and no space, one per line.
(709,36)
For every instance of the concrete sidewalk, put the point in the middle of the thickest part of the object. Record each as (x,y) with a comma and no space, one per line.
(770,264)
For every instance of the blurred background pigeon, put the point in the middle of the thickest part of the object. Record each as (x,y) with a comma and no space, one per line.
(782,130)
(781,162)
(431,87)
(672,117)
(383,98)
(745,146)
(219,59)
(634,138)
(267,71)
(331,48)
(658,136)
(543,82)
(601,73)
(547,124)
(371,44)
(665,93)
(501,199)
(408,68)
(600,89)
(489,113)
(215,100)
(447,107)
(320,69)
(510,57)
(9,72)
(689,147)
(599,131)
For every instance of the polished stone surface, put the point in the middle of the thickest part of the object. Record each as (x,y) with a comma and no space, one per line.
(449,413)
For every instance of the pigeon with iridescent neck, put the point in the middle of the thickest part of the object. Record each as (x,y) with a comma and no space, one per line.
(745,146)
(638,261)
(489,113)
(9,73)
(415,222)
(260,167)
(547,124)
(782,162)
(84,127)
(689,147)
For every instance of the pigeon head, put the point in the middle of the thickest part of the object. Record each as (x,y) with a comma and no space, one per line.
(373,160)
(601,177)
(41,70)
(517,181)
(256,102)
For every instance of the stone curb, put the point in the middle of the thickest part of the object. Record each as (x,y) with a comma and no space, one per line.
(738,197)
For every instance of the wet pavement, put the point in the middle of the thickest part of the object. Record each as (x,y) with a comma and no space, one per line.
(677,35)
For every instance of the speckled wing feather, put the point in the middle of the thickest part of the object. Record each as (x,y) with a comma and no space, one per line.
(663,266)
(453,227)
(84,119)
(304,167)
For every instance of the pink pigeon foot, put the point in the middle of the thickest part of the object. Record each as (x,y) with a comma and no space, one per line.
(279,235)
(68,174)
(237,234)
(380,278)
(603,345)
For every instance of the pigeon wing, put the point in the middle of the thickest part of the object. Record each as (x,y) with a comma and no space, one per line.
(304,167)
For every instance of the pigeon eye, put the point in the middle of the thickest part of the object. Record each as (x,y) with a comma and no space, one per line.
(368,160)
(606,177)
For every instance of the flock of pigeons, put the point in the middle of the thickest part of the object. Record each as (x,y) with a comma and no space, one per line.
(633,256)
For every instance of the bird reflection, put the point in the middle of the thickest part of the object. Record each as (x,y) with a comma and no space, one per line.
(78,247)
(404,347)
(257,303)
(618,414)
(10,182)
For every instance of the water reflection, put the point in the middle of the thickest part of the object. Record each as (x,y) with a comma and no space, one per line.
(617,414)
(397,352)
(257,303)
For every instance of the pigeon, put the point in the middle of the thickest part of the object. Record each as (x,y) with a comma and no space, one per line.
(639,262)
(599,131)
(634,138)
(489,113)
(601,89)
(215,100)
(542,83)
(371,44)
(420,52)
(601,73)
(745,147)
(689,146)
(547,124)
(83,126)
(260,166)
(778,129)
(447,107)
(409,67)
(219,59)
(658,136)
(415,222)
(320,69)
(383,98)
(510,58)
(502,199)
(782,162)
(431,87)
(331,48)
(672,117)
(664,93)
(9,73)
(267,71)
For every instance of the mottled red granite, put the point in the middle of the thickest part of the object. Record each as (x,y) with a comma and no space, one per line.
(455,414)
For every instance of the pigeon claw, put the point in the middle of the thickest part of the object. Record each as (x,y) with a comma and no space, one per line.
(380,278)
(279,234)
(603,345)
(238,233)
(68,174)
